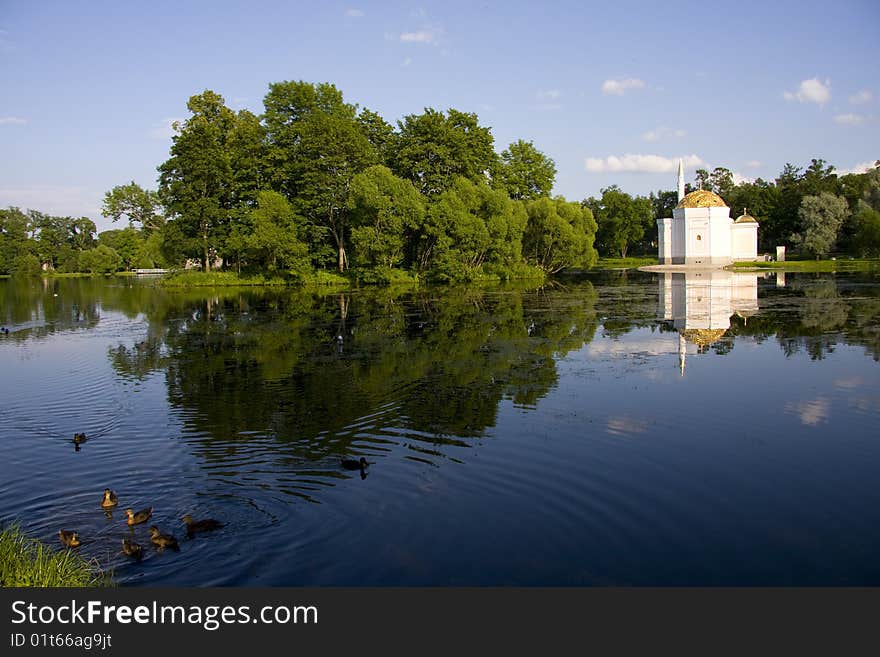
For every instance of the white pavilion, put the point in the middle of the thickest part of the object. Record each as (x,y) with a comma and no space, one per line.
(701,233)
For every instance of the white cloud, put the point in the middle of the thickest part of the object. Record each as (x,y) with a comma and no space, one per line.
(548,107)
(165,128)
(353,13)
(12,120)
(663,132)
(407,61)
(422,36)
(811,91)
(753,164)
(863,96)
(552,94)
(811,412)
(739,179)
(621,426)
(861,167)
(54,200)
(621,86)
(849,119)
(640,163)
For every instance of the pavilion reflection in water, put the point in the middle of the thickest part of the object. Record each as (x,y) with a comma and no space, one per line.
(700,303)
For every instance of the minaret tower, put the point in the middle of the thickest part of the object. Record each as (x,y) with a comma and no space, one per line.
(680,180)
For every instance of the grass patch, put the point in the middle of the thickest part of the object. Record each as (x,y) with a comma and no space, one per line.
(25,561)
(841,264)
(625,263)
(190,278)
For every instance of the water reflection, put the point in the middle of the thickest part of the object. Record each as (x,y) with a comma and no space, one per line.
(699,305)
(545,429)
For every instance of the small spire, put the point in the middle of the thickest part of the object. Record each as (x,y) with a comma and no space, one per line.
(680,180)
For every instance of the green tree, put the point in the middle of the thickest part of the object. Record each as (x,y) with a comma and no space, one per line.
(866,241)
(274,241)
(100,260)
(525,172)
(139,206)
(14,239)
(434,148)
(126,243)
(379,133)
(196,182)
(26,264)
(821,218)
(331,152)
(287,104)
(559,235)
(470,230)
(384,210)
(622,219)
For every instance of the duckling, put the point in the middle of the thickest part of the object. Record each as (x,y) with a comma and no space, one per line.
(132,549)
(69,538)
(79,438)
(110,499)
(162,541)
(351,464)
(206,525)
(139,517)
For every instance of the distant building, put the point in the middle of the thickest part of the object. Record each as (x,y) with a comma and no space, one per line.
(700,231)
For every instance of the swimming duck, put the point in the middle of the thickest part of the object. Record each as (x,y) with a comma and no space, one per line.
(79,438)
(162,541)
(110,499)
(351,464)
(132,549)
(139,517)
(68,538)
(206,525)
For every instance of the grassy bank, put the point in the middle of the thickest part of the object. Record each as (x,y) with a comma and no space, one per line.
(842,264)
(25,561)
(625,263)
(383,276)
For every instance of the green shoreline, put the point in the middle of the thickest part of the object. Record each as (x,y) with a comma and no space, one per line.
(26,561)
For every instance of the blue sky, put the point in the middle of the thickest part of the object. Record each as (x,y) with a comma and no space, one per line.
(614,92)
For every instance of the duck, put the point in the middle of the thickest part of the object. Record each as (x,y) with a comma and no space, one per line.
(139,517)
(110,499)
(132,549)
(162,541)
(206,525)
(69,538)
(351,464)
(79,438)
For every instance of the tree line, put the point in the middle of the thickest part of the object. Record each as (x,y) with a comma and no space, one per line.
(317,183)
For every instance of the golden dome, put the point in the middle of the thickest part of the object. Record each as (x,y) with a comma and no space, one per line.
(702,198)
(745,218)
(703,337)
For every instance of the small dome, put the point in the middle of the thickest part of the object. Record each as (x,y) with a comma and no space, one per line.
(745,218)
(702,198)
(703,337)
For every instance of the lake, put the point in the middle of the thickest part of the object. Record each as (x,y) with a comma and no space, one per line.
(620,428)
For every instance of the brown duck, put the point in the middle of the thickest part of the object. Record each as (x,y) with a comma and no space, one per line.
(69,538)
(139,517)
(162,541)
(110,499)
(132,549)
(79,438)
(206,525)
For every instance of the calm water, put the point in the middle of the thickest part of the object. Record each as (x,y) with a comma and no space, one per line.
(619,429)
